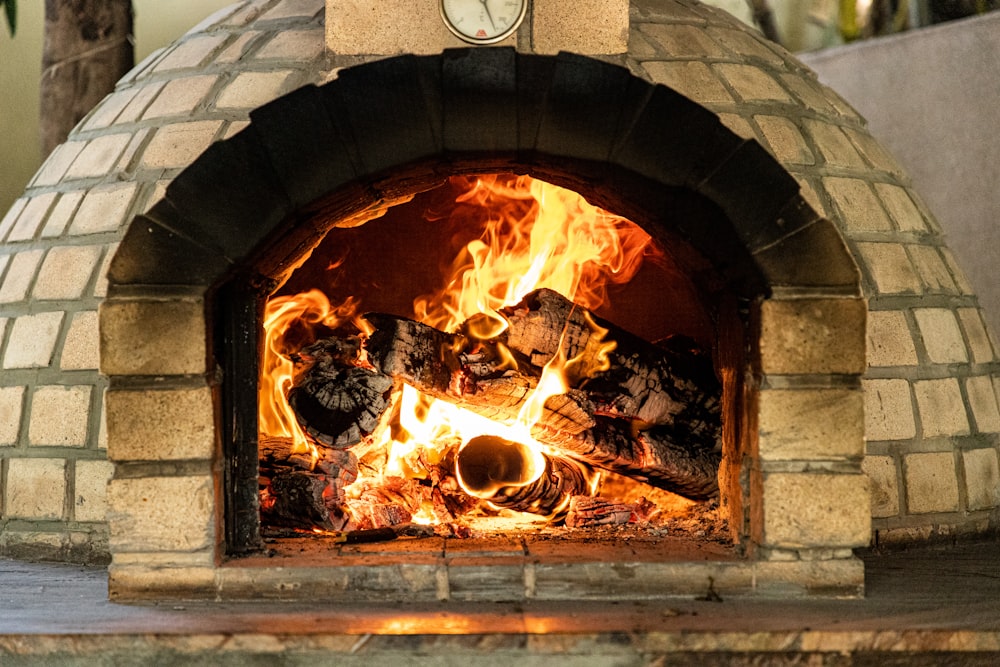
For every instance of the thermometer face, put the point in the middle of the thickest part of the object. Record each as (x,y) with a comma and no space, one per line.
(483,21)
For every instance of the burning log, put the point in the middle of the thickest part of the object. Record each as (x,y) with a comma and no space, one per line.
(624,375)
(585,511)
(502,472)
(647,411)
(659,456)
(338,400)
(300,493)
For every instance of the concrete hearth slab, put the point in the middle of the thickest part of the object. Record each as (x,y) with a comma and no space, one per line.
(928,606)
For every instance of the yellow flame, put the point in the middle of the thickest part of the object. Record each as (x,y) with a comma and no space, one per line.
(535,235)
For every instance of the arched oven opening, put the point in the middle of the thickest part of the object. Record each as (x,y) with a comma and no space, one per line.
(494,356)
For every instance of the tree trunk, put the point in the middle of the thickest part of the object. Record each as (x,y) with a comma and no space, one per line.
(88,48)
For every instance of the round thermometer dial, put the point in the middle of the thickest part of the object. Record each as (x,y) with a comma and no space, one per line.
(483,21)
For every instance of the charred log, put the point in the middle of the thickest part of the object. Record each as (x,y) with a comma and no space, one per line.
(624,375)
(661,456)
(337,400)
(300,492)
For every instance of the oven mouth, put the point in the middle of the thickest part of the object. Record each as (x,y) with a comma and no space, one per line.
(394,261)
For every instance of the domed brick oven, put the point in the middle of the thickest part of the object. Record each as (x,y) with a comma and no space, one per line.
(796,369)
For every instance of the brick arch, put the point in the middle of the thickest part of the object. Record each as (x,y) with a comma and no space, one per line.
(251,206)
(583,122)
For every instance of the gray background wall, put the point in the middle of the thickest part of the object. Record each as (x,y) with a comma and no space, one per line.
(932,97)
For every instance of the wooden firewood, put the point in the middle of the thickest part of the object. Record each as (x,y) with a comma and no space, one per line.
(337,400)
(660,456)
(672,383)
(300,492)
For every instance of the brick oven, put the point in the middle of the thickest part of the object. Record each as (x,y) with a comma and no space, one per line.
(857,377)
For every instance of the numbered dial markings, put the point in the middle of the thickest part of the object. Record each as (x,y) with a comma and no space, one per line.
(483,21)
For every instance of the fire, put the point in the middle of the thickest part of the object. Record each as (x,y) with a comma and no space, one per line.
(535,235)
(289,323)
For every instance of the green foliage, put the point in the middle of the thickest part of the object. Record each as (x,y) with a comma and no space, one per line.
(10,11)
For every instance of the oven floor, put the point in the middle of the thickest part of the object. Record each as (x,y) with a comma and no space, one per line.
(926,606)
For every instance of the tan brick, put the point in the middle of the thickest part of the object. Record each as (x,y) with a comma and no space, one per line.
(105,113)
(888,410)
(941,335)
(152,337)
(143,514)
(33,340)
(692,79)
(982,478)
(874,151)
(745,43)
(98,156)
(302,45)
(813,424)
(975,332)
(931,268)
(738,125)
(36,489)
(357,26)
(180,96)
(804,336)
(11,216)
(890,268)
(816,510)
(11,407)
(90,499)
(133,112)
(889,340)
(62,213)
(752,83)
(137,582)
(66,272)
(883,483)
(901,207)
(179,144)
(983,401)
(160,425)
(103,209)
(239,48)
(81,349)
(942,410)
(250,90)
(833,144)
(679,40)
(59,416)
(785,140)
(190,52)
(57,163)
(859,207)
(808,91)
(31,218)
(961,280)
(20,274)
(846,576)
(584,26)
(931,483)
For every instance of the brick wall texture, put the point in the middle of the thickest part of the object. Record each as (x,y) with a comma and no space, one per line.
(932,421)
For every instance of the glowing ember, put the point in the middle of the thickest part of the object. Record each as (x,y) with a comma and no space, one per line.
(535,235)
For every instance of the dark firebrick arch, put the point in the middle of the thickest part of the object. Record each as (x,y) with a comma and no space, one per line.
(580,121)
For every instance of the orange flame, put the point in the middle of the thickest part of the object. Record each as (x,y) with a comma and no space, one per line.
(290,323)
(535,235)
